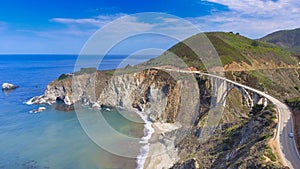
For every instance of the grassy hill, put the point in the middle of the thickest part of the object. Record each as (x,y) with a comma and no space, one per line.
(233,50)
(258,64)
(287,39)
(238,48)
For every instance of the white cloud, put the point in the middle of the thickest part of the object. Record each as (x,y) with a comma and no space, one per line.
(88,26)
(97,21)
(261,7)
(252,18)
(75,32)
(143,27)
(122,23)
(76,21)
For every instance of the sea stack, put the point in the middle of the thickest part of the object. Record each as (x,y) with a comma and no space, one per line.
(8,86)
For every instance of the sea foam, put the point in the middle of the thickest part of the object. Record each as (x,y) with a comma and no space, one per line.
(144,150)
(29,102)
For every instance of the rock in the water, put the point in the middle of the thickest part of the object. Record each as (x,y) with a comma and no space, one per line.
(39,110)
(8,86)
(96,106)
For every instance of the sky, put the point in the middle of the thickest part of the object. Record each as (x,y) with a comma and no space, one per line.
(63,27)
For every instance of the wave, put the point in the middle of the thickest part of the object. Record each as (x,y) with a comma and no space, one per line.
(144,150)
(29,102)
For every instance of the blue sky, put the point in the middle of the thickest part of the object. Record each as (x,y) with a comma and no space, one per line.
(63,27)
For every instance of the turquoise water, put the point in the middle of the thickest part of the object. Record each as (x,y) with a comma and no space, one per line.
(51,139)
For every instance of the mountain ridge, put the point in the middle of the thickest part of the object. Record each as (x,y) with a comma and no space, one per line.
(236,53)
(287,39)
(142,88)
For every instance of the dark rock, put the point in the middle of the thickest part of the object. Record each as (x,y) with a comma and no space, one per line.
(8,86)
(190,164)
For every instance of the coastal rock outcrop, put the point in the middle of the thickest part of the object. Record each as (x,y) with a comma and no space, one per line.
(151,91)
(39,110)
(176,99)
(8,86)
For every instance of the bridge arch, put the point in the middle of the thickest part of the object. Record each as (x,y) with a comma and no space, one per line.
(221,88)
(245,94)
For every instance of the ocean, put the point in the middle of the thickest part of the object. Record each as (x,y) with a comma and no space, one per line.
(53,138)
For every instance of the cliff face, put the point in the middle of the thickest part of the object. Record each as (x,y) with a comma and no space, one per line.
(152,91)
(240,140)
(61,90)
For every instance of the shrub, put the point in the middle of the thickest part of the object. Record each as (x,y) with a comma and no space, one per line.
(270,155)
(257,108)
(89,70)
(254,43)
(267,136)
(63,76)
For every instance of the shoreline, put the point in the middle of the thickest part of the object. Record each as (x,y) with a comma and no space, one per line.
(161,154)
(145,149)
(156,151)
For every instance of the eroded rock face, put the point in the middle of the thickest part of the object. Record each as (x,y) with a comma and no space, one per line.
(56,90)
(189,164)
(166,98)
(151,91)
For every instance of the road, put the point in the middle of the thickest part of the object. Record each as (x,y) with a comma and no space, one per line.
(287,145)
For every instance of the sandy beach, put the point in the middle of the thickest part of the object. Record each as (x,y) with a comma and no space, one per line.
(162,152)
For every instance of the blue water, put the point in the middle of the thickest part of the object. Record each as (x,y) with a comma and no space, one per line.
(51,139)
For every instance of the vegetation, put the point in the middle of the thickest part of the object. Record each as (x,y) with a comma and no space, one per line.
(254,43)
(108,72)
(226,49)
(287,39)
(179,55)
(293,100)
(293,103)
(231,129)
(256,109)
(246,50)
(63,76)
(261,78)
(230,48)
(86,70)
(270,154)
(267,136)
(254,130)
(271,108)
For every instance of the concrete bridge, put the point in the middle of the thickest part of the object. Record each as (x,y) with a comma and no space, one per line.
(222,86)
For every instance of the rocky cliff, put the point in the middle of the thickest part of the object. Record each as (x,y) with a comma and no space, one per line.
(240,141)
(152,91)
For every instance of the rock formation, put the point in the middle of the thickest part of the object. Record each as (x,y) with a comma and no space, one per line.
(240,138)
(152,91)
(8,86)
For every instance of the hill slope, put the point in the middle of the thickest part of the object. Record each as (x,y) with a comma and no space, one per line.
(287,39)
(242,137)
(235,51)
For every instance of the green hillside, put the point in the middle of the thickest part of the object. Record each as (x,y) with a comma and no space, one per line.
(233,47)
(287,39)
(230,47)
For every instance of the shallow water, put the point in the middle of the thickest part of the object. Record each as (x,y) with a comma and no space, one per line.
(51,139)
